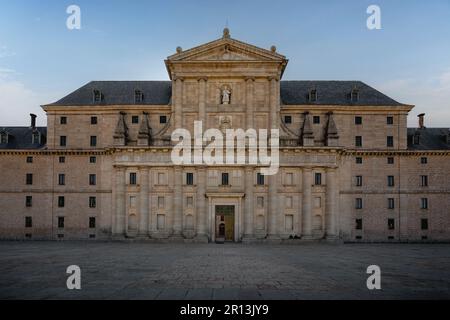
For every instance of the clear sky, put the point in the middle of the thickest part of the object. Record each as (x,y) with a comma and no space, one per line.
(41,60)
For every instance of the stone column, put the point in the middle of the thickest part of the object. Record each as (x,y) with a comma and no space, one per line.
(307,210)
(249,208)
(250,103)
(119,227)
(202,101)
(274,103)
(178,103)
(273,232)
(331,205)
(201,205)
(178,202)
(143,202)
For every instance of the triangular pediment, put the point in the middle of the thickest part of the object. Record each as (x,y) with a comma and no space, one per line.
(227,49)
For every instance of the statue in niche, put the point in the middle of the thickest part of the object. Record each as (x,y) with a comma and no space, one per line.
(225,123)
(226,95)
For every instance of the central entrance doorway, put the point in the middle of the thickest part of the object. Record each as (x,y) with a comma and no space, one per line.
(224,223)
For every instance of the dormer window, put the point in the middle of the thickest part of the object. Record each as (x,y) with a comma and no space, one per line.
(3,138)
(97,96)
(354,96)
(313,95)
(36,138)
(416,139)
(138,96)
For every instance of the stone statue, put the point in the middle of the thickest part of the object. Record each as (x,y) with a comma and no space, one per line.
(226,96)
(225,123)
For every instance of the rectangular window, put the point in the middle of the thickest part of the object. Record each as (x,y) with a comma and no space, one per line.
(389,141)
(289,202)
(390,120)
(61,179)
(358,141)
(424,181)
(162,119)
(28,222)
(61,201)
(260,202)
(62,159)
(391,203)
(161,178)
(62,141)
(132,202)
(160,202)
(424,224)
(29,159)
(316,119)
(61,222)
(138,96)
(189,178)
(390,181)
(358,203)
(390,160)
(189,202)
(225,179)
(92,202)
(28,201)
(424,160)
(94,120)
(358,224)
(391,224)
(317,178)
(92,179)
(288,119)
(358,181)
(93,141)
(91,222)
(259,179)
(289,178)
(424,203)
(359,160)
(358,120)
(133,178)
(135,119)
(60,235)
(63,120)
(29,179)
(92,159)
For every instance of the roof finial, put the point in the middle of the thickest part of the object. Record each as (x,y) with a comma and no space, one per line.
(226,33)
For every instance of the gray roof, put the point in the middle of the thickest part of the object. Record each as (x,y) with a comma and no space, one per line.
(292,92)
(119,93)
(21,138)
(333,93)
(429,138)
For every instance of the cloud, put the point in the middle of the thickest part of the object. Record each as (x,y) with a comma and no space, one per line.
(429,95)
(17,102)
(5,52)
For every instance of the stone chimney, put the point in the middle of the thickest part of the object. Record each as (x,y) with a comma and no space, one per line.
(33,121)
(421,120)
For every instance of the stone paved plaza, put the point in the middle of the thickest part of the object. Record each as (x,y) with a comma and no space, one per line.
(122,270)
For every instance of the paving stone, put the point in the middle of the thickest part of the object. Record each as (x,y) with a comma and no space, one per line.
(113,270)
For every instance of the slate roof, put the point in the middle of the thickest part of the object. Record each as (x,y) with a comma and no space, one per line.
(119,93)
(333,93)
(21,138)
(429,138)
(292,92)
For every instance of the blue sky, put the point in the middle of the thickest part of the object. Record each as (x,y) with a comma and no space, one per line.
(41,60)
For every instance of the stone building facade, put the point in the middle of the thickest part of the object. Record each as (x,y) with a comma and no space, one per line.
(350,168)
